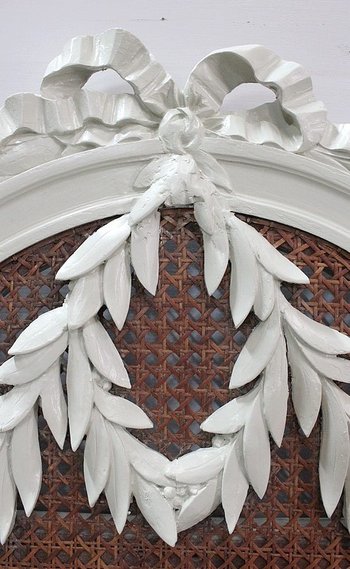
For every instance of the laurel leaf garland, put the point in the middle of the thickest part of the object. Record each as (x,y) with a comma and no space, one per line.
(114,460)
(171,495)
(26,461)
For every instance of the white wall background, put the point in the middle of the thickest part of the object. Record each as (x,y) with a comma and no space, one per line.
(180,32)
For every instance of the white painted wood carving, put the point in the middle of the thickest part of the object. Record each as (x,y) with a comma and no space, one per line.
(179,170)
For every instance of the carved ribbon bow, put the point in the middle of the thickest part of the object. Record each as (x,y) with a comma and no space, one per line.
(295,121)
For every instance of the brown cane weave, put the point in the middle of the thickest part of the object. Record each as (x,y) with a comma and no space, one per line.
(179,348)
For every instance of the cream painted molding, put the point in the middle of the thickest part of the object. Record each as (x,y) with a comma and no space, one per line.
(70,156)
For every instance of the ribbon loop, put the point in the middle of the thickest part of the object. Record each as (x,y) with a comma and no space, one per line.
(118,50)
(295,121)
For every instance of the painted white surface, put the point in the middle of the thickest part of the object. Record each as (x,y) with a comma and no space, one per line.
(257,174)
(314,33)
(175,495)
(257,179)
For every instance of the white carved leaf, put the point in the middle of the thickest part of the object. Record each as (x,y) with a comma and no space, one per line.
(47,328)
(216,250)
(234,486)
(156,509)
(118,487)
(150,201)
(95,249)
(243,275)
(120,411)
(213,170)
(53,403)
(203,213)
(232,416)
(17,403)
(8,495)
(86,299)
(96,457)
(306,388)
(275,392)
(316,335)
(273,261)
(155,170)
(343,398)
(265,294)
(256,449)
(79,389)
(3,438)
(257,351)
(197,467)
(26,461)
(145,251)
(332,367)
(335,449)
(117,286)
(147,462)
(24,368)
(103,353)
(346,505)
(198,506)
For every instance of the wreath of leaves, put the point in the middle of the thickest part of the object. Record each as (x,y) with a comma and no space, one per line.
(172,496)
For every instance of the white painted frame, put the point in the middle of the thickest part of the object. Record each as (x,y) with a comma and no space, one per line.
(69,157)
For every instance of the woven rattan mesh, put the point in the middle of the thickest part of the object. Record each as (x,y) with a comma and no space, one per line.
(179,348)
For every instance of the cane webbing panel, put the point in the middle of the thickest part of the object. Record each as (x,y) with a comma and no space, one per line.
(179,348)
